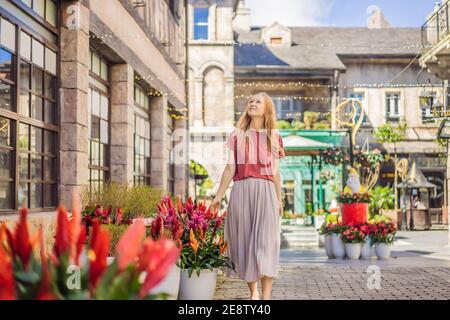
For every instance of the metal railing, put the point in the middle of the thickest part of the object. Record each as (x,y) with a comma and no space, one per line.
(160,19)
(436,27)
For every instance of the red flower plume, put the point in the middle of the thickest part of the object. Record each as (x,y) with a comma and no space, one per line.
(128,246)
(7,283)
(98,253)
(156,258)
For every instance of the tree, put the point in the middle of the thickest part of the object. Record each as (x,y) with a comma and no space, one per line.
(389,134)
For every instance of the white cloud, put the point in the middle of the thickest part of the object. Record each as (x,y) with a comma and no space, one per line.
(289,12)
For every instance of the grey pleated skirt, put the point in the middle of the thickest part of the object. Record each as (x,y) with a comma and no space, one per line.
(252,229)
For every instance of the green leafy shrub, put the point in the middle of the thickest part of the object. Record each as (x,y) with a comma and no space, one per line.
(135,201)
(116,231)
(310,118)
(283,124)
(381,198)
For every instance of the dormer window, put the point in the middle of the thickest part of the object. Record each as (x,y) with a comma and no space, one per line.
(276,40)
(201,15)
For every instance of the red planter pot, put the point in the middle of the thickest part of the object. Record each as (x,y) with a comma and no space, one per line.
(354,213)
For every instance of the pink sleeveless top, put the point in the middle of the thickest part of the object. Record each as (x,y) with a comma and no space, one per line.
(257,159)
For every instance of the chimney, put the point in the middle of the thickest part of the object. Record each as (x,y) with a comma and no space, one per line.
(241,21)
(377,20)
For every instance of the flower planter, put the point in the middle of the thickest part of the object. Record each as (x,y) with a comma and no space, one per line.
(383,250)
(170,284)
(354,213)
(196,287)
(367,251)
(298,221)
(352,250)
(337,246)
(328,247)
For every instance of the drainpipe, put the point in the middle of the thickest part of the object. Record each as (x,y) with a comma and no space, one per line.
(186,89)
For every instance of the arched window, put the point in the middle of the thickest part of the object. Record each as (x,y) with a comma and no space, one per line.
(214,97)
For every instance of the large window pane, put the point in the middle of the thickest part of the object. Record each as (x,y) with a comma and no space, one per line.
(6,96)
(37,108)
(36,195)
(36,167)
(104,131)
(39,7)
(5,164)
(8,35)
(5,132)
(49,142)
(49,195)
(25,73)
(6,64)
(38,53)
(25,45)
(104,107)
(49,86)
(49,174)
(36,139)
(24,103)
(24,136)
(49,112)
(50,12)
(23,194)
(5,195)
(95,105)
(23,165)
(38,81)
(50,61)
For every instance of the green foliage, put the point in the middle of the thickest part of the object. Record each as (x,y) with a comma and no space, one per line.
(297,125)
(136,201)
(197,168)
(379,219)
(389,134)
(116,231)
(283,124)
(322,125)
(206,186)
(310,118)
(381,198)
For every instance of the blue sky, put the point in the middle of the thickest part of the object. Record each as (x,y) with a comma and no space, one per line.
(399,13)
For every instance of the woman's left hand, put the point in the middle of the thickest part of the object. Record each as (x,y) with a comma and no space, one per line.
(281,208)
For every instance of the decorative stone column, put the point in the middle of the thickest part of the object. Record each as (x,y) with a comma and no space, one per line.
(229,107)
(74,37)
(122,124)
(181,158)
(198,103)
(159,142)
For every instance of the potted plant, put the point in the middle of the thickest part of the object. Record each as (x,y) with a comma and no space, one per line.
(203,251)
(167,224)
(31,275)
(354,207)
(337,244)
(353,238)
(383,238)
(367,245)
(325,231)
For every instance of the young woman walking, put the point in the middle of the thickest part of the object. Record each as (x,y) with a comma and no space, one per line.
(252,226)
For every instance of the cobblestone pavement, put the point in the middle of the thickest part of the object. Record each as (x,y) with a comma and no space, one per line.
(417,270)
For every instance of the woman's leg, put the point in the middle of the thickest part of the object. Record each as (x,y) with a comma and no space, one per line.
(253,290)
(266,284)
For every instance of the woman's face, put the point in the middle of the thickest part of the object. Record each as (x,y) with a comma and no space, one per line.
(256,106)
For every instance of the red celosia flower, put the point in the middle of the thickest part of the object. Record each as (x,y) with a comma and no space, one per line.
(45,291)
(128,246)
(22,246)
(156,258)
(63,237)
(98,253)
(7,283)
(119,216)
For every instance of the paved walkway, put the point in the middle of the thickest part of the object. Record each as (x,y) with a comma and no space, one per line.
(419,269)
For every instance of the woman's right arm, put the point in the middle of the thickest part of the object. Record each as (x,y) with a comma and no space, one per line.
(227,176)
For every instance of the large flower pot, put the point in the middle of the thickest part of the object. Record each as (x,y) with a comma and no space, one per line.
(352,250)
(337,246)
(197,287)
(366,249)
(170,284)
(354,213)
(328,247)
(383,250)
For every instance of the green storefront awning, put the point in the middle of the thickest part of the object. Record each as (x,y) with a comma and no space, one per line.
(303,140)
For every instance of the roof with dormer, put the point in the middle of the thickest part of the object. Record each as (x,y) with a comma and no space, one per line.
(325,47)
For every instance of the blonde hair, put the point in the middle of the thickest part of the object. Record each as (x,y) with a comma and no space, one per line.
(270,122)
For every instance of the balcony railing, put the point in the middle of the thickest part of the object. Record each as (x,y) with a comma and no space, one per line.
(161,21)
(436,27)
